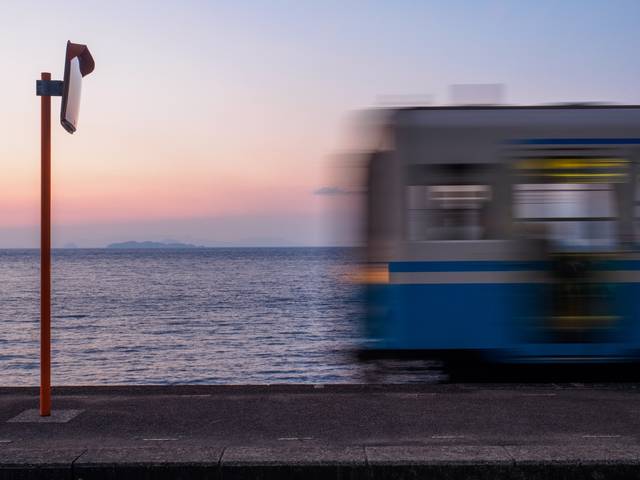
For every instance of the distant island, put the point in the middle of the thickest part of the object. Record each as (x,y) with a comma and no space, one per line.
(147,244)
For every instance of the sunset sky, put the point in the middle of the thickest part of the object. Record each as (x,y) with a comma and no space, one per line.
(220,122)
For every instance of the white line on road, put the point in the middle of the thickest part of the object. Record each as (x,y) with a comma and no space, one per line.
(447,436)
(601,436)
(288,439)
(2,440)
(410,395)
(159,439)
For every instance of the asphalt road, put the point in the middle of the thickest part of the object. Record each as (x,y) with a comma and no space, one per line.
(489,424)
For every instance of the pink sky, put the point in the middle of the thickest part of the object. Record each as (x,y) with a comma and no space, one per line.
(214,110)
(167,131)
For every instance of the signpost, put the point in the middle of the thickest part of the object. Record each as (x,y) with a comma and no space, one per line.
(78,63)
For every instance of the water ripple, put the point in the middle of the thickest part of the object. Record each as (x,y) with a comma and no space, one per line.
(182,316)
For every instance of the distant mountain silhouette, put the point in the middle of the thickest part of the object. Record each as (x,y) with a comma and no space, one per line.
(147,244)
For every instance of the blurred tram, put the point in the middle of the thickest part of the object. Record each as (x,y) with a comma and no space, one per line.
(507,234)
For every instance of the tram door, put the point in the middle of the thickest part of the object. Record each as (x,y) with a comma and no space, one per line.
(576,207)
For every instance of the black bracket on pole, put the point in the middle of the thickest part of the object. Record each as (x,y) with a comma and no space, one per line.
(49,88)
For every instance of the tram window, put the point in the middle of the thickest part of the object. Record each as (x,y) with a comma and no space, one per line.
(447,212)
(569,215)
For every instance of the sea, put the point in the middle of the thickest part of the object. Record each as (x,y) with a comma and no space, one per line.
(185,316)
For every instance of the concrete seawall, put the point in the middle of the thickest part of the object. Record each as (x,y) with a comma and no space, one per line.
(331,431)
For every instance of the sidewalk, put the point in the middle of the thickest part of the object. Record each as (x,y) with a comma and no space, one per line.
(347,431)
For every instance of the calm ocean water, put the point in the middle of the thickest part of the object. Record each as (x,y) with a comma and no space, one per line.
(262,315)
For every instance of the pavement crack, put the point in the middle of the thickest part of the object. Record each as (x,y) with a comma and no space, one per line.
(224,449)
(76,459)
(73,464)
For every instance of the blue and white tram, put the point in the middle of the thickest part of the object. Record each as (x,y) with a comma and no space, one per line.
(509,233)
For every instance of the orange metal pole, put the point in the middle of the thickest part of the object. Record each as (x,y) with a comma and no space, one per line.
(45,253)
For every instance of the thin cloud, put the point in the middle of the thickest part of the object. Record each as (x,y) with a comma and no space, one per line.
(331,191)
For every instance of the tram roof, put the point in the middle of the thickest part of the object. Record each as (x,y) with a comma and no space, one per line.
(582,114)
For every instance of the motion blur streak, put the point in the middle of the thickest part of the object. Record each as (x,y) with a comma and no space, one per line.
(508,234)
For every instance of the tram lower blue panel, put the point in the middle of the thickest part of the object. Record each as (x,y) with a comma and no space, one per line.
(504,321)
(455,316)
